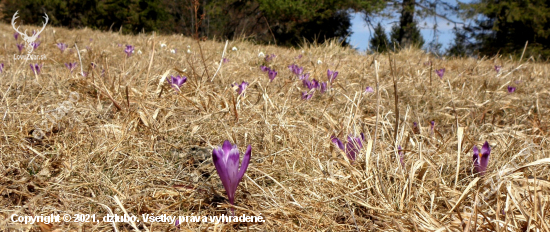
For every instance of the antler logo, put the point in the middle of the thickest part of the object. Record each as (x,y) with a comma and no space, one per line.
(29,39)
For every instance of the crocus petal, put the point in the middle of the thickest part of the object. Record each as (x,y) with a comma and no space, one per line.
(218,157)
(485,149)
(484,160)
(244,164)
(338,142)
(232,169)
(476,155)
(227,147)
(323,87)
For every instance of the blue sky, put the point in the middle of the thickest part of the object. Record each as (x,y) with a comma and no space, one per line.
(361,33)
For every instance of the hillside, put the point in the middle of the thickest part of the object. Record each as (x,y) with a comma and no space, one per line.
(121,139)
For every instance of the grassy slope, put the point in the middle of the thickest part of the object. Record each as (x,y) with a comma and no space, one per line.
(155,154)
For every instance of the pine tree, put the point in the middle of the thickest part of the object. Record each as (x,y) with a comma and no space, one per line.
(505,26)
(460,44)
(416,39)
(379,42)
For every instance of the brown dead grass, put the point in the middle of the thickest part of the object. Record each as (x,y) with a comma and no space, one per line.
(155,154)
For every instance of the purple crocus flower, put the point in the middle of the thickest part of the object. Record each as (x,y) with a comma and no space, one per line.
(291,67)
(177,224)
(129,50)
(71,66)
(481,160)
(369,90)
(36,68)
(299,56)
(226,160)
(401,156)
(93,65)
(352,147)
(177,81)
(225,60)
(16,35)
(269,58)
(323,87)
(497,68)
(313,84)
(35,45)
(241,87)
(306,95)
(511,89)
(296,70)
(272,74)
(62,46)
(332,75)
(440,72)
(264,68)
(20,47)
(432,127)
(1,67)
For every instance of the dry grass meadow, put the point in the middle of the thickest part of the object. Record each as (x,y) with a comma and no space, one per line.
(130,143)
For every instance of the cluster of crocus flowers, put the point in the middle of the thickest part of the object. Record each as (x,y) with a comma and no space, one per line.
(177,81)
(71,66)
(481,160)
(440,72)
(352,147)
(312,85)
(511,89)
(35,45)
(296,69)
(129,50)
(332,75)
(271,73)
(497,68)
(226,160)
(36,68)
(62,46)
(240,88)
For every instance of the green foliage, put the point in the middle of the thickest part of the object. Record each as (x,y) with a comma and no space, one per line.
(132,16)
(506,25)
(379,42)
(460,46)
(266,21)
(396,35)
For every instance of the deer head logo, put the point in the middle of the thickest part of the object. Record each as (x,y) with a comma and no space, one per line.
(29,39)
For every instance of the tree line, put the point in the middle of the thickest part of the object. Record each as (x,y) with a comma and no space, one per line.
(494,26)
